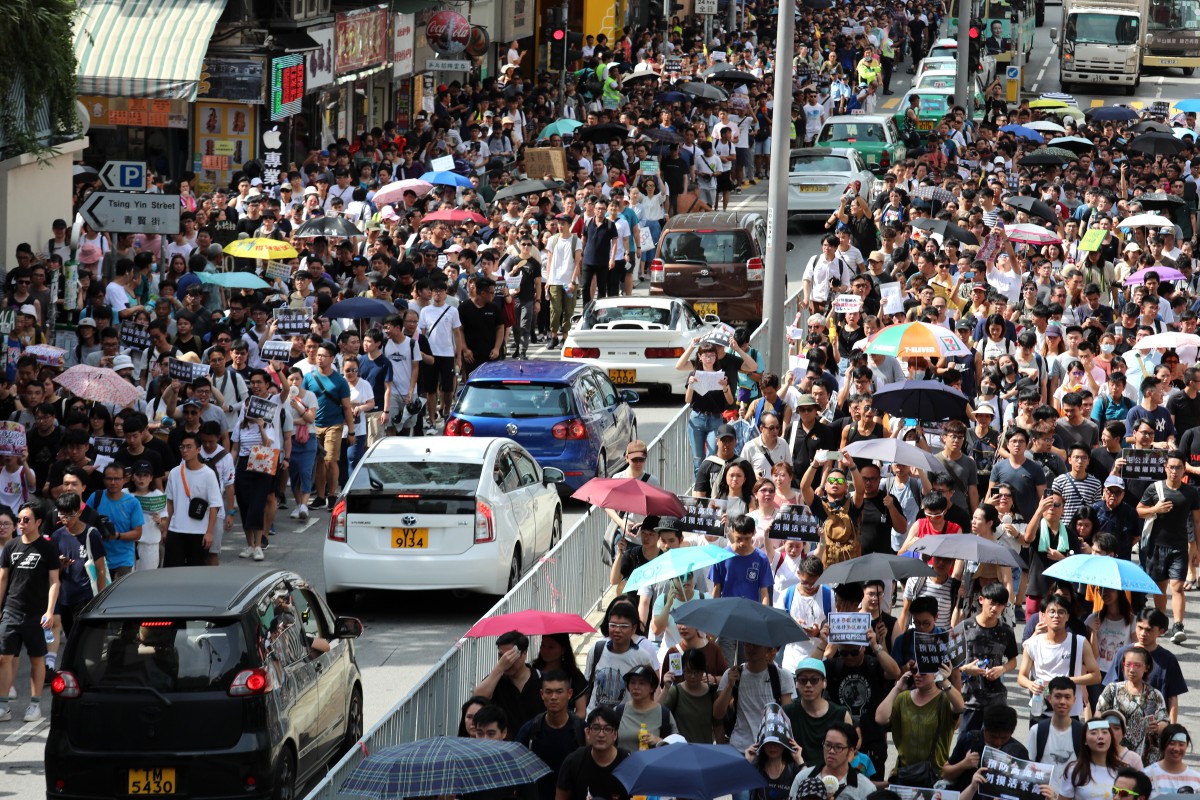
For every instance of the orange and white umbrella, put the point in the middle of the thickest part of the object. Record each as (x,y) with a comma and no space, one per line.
(916,340)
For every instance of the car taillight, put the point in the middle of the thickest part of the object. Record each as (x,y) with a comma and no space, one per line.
(657,272)
(885,160)
(459,427)
(570,429)
(581,352)
(251,682)
(485,523)
(664,352)
(65,685)
(754,269)
(337,522)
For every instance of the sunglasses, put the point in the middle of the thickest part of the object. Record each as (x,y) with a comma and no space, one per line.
(836,481)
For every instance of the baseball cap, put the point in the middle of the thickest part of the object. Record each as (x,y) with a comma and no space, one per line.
(645,672)
(122,362)
(144,467)
(86,321)
(726,431)
(1113,480)
(310,190)
(668,524)
(28,310)
(984,407)
(810,665)
(189,402)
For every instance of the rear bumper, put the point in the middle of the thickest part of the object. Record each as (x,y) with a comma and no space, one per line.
(649,374)
(482,568)
(1106,78)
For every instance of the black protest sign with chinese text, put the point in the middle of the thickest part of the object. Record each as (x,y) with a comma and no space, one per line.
(932,650)
(1147,465)
(276,349)
(1011,778)
(135,336)
(795,523)
(108,445)
(703,515)
(185,371)
(956,647)
(261,408)
(290,321)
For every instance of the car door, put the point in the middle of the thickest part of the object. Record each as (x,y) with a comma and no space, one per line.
(591,410)
(539,497)
(301,691)
(333,667)
(619,412)
(517,502)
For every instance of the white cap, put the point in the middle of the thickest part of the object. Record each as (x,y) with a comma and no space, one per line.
(122,362)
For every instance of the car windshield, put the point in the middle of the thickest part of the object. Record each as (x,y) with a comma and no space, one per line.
(821,164)
(175,655)
(935,80)
(606,315)
(932,104)
(515,399)
(417,476)
(722,247)
(856,131)
(942,51)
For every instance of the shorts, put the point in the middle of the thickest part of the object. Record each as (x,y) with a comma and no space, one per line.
(1165,563)
(439,374)
(17,630)
(763,148)
(330,441)
(743,156)
(725,181)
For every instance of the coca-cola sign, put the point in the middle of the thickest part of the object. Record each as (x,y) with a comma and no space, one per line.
(448,33)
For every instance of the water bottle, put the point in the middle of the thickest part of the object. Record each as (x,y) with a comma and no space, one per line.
(1037,706)
(643,744)
(49,635)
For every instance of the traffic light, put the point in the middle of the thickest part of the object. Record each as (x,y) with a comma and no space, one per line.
(974,46)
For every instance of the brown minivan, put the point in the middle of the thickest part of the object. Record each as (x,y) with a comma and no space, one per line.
(715,261)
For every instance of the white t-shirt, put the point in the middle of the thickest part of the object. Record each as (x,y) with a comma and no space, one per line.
(754,692)
(608,683)
(439,334)
(1165,782)
(1098,788)
(1113,635)
(623,234)
(806,611)
(1051,660)
(200,483)
(116,297)
(1060,749)
(360,393)
(561,265)
(401,354)
(12,488)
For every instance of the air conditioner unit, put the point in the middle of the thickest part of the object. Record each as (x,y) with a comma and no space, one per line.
(318,8)
(299,11)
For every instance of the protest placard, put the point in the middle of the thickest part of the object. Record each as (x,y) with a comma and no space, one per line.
(276,349)
(1011,778)
(649,167)
(795,334)
(293,320)
(1149,465)
(108,445)
(1092,240)
(932,650)
(795,523)
(46,354)
(12,438)
(708,381)
(849,628)
(673,64)
(278,270)
(990,249)
(513,282)
(185,371)
(261,407)
(957,645)
(799,367)
(918,793)
(717,337)
(135,336)
(703,515)
(847,304)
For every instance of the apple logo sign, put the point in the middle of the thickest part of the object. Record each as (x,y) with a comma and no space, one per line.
(272,138)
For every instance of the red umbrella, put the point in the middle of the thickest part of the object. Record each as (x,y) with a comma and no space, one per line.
(530,623)
(630,495)
(454,215)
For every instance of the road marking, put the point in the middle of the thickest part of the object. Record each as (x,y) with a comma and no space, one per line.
(1033,88)
(1041,75)
(1046,63)
(895,101)
(1097,102)
(25,731)
(312,520)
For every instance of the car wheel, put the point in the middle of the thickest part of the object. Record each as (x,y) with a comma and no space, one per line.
(283,786)
(354,724)
(514,570)
(601,465)
(556,529)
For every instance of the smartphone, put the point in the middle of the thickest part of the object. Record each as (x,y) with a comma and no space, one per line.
(910,422)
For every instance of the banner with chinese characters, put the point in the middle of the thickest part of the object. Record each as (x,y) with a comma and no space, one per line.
(270,150)
(404,27)
(320,61)
(1012,778)
(287,85)
(136,111)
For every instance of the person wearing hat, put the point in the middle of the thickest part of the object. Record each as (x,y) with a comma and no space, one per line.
(775,755)
(641,711)
(834,769)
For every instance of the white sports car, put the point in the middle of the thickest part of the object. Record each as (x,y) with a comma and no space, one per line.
(637,340)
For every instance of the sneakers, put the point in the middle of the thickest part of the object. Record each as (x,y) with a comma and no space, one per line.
(51,661)
(258,554)
(12,693)
(317,502)
(5,713)
(34,712)
(246,552)
(303,511)
(295,512)
(1178,634)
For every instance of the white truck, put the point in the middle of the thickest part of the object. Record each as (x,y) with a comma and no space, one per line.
(1100,43)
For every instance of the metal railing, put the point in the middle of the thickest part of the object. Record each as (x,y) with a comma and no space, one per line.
(572,577)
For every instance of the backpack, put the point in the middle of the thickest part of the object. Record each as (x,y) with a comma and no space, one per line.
(840,535)
(573,721)
(826,598)
(1043,735)
(664,725)
(730,719)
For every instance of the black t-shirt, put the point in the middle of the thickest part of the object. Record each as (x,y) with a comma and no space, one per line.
(983,450)
(519,704)
(583,777)
(479,327)
(127,460)
(998,645)
(43,450)
(529,270)
(875,526)
(169,458)
(860,689)
(551,745)
(94,482)
(29,566)
(1170,527)
(1101,462)
(1184,410)
(710,480)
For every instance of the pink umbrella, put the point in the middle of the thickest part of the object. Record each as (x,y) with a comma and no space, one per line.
(98,384)
(1163,273)
(454,215)
(394,191)
(1031,234)
(531,623)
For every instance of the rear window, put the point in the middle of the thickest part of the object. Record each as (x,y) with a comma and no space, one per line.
(193,655)
(417,476)
(933,103)
(821,164)
(857,131)
(610,314)
(722,247)
(533,399)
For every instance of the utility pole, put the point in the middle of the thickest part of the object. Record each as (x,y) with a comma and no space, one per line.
(774,290)
(565,11)
(963,93)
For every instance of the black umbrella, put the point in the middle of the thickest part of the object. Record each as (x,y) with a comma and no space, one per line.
(602,133)
(921,400)
(1042,159)
(82,172)
(327,226)
(523,188)
(1159,200)
(1111,114)
(1157,144)
(639,77)
(937,193)
(741,619)
(1150,126)
(665,135)
(1033,207)
(876,567)
(704,90)
(947,228)
(734,76)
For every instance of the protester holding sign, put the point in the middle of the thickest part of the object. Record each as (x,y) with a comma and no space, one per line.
(264,445)
(922,712)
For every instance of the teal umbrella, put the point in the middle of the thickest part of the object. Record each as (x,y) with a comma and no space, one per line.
(673,563)
(234,280)
(562,127)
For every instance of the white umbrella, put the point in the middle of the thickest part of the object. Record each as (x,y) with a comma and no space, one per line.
(894,451)
(1171,339)
(1046,126)
(1145,221)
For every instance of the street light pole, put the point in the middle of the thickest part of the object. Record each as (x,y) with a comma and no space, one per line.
(963,91)
(775,287)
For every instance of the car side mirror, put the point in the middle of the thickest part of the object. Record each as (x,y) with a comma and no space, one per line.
(347,628)
(712,319)
(552,475)
(630,396)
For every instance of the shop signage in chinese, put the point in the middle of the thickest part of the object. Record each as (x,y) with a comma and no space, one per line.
(362,39)
(234,80)
(270,152)
(287,85)
(320,61)
(448,33)
(404,29)
(136,112)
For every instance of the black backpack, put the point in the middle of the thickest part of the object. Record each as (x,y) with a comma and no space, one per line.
(1043,735)
(730,718)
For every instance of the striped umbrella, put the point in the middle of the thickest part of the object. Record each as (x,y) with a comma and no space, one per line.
(1061,97)
(916,340)
(1030,234)
(443,765)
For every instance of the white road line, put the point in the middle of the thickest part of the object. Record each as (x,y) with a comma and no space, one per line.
(312,520)
(1046,63)
(26,731)
(1033,88)
(1041,74)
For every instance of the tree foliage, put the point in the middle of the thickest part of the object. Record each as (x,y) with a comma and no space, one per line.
(37,59)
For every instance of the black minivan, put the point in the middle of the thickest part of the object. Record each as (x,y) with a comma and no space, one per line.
(202,682)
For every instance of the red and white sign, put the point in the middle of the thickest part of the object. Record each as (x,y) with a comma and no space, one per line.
(448,33)
(404,27)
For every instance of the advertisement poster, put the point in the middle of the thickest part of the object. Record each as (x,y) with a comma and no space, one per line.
(234,80)
(225,139)
(362,39)
(404,27)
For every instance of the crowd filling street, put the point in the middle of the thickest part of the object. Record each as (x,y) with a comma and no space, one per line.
(961,522)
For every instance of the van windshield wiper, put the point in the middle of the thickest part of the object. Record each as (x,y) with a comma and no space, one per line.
(166,701)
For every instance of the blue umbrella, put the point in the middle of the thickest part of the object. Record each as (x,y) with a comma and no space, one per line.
(1104,571)
(674,563)
(921,400)
(1188,105)
(446,178)
(695,771)
(1111,114)
(1023,132)
(443,765)
(360,308)
(233,280)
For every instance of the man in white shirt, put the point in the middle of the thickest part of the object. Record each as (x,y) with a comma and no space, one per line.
(564,262)
(406,357)
(193,500)
(814,283)
(440,324)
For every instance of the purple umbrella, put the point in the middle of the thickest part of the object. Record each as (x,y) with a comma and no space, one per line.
(1163,273)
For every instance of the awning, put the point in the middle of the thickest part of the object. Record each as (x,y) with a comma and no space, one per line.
(295,41)
(143,48)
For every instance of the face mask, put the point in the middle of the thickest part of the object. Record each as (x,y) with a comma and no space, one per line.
(1008,369)
(1107,348)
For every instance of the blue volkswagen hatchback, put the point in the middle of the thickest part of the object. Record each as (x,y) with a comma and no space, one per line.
(568,415)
